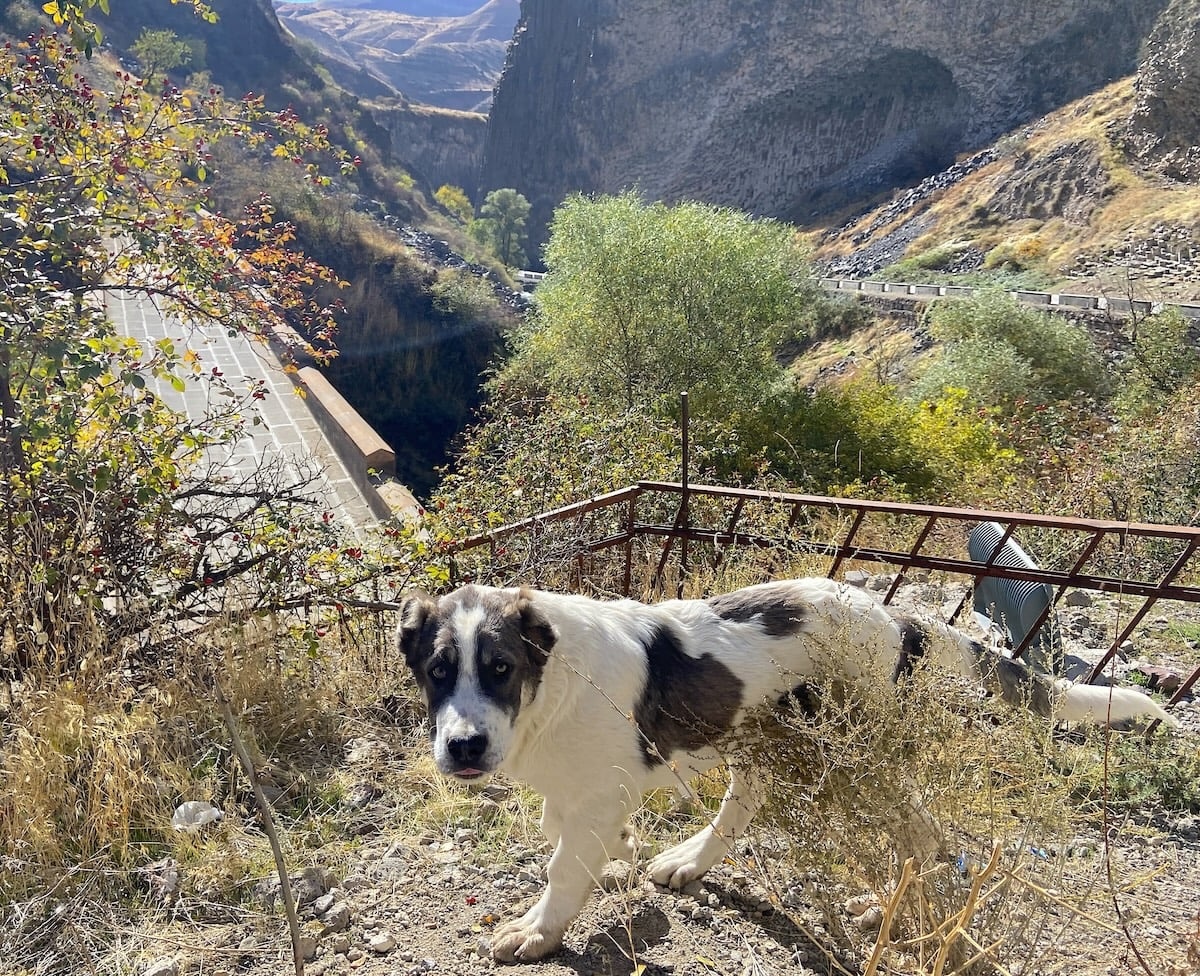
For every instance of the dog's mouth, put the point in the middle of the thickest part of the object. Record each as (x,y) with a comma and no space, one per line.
(465,772)
(470,773)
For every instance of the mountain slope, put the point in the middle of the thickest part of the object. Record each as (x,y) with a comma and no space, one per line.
(1101,196)
(452,62)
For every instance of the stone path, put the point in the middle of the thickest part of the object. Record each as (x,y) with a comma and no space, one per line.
(288,429)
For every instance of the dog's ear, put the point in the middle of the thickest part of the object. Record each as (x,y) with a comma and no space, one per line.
(537,631)
(416,610)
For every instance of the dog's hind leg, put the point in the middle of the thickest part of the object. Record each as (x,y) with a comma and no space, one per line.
(915,834)
(684,863)
(918,834)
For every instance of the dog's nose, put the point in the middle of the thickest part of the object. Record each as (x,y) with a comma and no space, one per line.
(467,750)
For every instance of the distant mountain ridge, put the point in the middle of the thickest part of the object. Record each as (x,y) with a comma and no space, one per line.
(446,53)
(416,8)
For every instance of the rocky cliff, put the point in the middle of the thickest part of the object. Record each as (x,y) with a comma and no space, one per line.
(436,145)
(784,107)
(1164,131)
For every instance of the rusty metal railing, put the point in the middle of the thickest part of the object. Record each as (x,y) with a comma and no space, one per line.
(1146,561)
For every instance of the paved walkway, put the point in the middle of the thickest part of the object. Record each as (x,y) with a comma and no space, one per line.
(288,431)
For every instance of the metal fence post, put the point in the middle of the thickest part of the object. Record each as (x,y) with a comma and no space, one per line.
(685,517)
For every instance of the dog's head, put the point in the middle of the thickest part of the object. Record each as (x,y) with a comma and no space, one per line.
(477,655)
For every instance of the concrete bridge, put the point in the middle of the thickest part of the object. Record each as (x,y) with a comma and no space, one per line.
(317,437)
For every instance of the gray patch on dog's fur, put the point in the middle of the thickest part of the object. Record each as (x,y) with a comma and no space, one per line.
(688,702)
(1014,682)
(777,608)
(914,642)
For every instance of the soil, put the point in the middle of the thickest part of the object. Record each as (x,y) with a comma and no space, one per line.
(412,905)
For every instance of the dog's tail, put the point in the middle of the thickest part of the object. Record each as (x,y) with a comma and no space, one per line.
(1055,698)
(1062,700)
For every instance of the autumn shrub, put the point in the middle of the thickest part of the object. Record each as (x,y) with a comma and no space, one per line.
(1023,254)
(864,437)
(126,543)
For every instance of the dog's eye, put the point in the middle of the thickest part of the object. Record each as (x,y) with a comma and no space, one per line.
(500,667)
(439,672)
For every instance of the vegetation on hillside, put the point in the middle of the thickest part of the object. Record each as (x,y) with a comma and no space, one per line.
(125,548)
(645,301)
(1013,407)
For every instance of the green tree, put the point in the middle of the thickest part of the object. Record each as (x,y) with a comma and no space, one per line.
(501,225)
(455,200)
(643,301)
(159,52)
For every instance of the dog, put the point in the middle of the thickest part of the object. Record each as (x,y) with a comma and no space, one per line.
(594,702)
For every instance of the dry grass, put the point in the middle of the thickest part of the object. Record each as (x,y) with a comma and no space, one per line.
(984,779)
(91,772)
(1132,203)
(93,767)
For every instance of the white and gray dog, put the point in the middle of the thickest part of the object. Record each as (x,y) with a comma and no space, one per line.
(592,703)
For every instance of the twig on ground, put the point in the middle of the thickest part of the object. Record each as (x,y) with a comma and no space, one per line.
(264,809)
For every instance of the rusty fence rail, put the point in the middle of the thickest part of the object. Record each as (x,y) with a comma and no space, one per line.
(655,520)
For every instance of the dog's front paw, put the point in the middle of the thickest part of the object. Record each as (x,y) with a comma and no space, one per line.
(525,939)
(682,864)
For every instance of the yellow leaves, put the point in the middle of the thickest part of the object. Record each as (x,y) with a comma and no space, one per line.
(52,10)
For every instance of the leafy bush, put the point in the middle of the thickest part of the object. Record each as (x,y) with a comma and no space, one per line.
(865,437)
(932,259)
(830,314)
(527,457)
(1162,360)
(1005,353)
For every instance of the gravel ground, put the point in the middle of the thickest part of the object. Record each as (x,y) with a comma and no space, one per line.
(427,904)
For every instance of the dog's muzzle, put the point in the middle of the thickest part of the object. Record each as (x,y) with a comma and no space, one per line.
(465,755)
